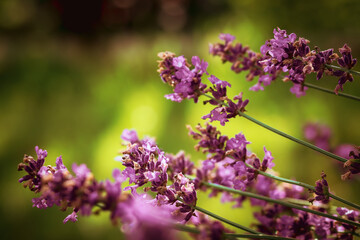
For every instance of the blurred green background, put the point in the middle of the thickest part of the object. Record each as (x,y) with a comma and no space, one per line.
(74,74)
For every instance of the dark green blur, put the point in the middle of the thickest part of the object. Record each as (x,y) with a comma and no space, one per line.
(74,74)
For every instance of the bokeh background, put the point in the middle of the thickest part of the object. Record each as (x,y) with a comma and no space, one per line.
(74,74)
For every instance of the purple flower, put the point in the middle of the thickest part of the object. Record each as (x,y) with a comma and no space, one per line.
(179,62)
(217,114)
(175,97)
(71,217)
(41,154)
(237,142)
(322,189)
(81,171)
(200,65)
(180,164)
(278,47)
(234,108)
(226,37)
(348,62)
(177,72)
(267,161)
(130,136)
(318,134)
(298,90)
(214,80)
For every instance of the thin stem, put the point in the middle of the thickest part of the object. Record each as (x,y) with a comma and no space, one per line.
(305,185)
(306,144)
(331,91)
(342,69)
(344,201)
(184,228)
(298,201)
(253,236)
(225,220)
(276,201)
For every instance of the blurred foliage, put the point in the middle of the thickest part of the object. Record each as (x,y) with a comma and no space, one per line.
(74,74)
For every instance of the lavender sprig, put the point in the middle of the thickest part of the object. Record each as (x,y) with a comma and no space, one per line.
(287,54)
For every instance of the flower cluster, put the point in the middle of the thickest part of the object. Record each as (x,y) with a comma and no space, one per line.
(322,189)
(86,196)
(146,163)
(177,73)
(230,163)
(285,54)
(186,80)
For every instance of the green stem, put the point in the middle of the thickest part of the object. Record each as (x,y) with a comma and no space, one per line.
(184,228)
(342,69)
(257,236)
(306,144)
(188,229)
(276,201)
(305,185)
(331,91)
(224,220)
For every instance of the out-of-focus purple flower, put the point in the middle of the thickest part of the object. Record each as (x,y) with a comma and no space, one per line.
(267,161)
(179,163)
(71,217)
(343,150)
(81,171)
(285,226)
(130,136)
(214,80)
(179,62)
(226,37)
(298,90)
(32,167)
(200,65)
(318,134)
(143,220)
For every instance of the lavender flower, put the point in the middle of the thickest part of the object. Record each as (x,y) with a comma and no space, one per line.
(322,189)
(177,73)
(146,163)
(348,62)
(285,53)
(187,83)
(354,167)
